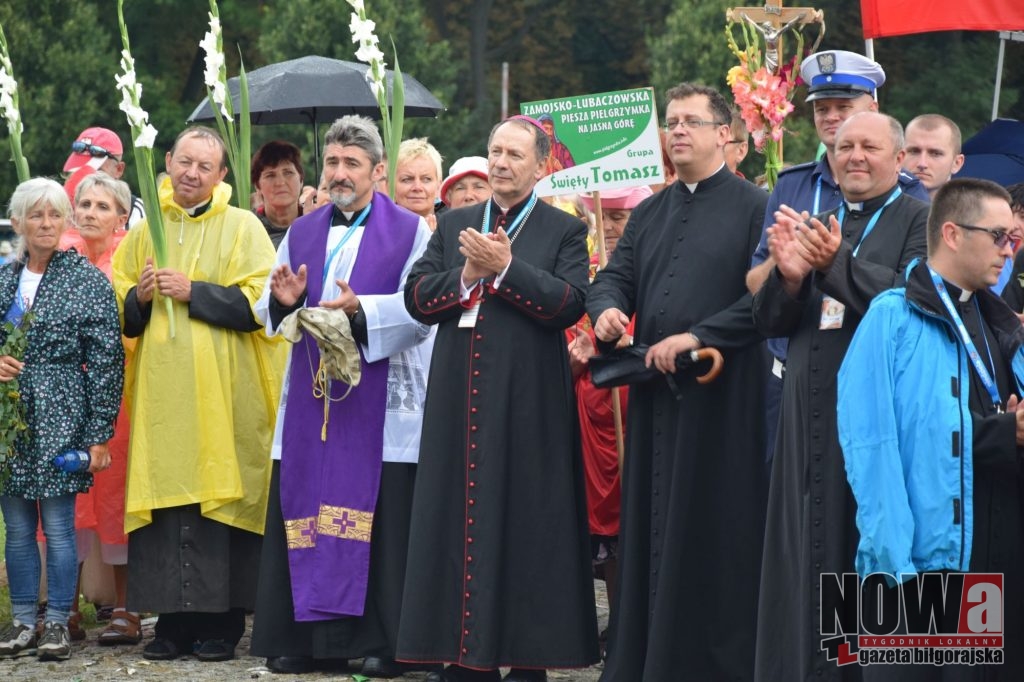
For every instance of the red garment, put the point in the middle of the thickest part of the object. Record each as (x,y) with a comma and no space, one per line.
(600,456)
(102,508)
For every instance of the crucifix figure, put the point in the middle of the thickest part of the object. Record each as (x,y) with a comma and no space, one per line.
(772,21)
(771,35)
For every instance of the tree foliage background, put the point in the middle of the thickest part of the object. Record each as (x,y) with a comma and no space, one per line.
(65,54)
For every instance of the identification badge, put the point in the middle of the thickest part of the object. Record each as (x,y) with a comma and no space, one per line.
(468,319)
(832,313)
(778,369)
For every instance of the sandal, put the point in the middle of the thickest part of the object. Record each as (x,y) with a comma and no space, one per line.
(124,628)
(75,630)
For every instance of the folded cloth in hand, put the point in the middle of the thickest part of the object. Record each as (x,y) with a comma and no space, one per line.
(332,332)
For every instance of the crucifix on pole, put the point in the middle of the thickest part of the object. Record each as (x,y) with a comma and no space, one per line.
(772,21)
(767,24)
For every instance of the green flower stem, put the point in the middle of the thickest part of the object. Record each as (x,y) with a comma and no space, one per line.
(147,186)
(14,129)
(237,139)
(20,162)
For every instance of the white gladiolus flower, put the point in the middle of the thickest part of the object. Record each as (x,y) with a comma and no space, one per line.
(146,137)
(7,84)
(357,5)
(214,58)
(7,108)
(376,86)
(214,75)
(211,77)
(369,54)
(219,95)
(362,31)
(137,116)
(125,82)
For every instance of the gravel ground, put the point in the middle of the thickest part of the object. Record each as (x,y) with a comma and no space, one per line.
(93,662)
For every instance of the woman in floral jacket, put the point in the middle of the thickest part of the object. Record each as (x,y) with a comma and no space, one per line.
(70,381)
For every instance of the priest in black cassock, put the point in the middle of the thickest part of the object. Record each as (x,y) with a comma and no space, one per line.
(499,554)
(693,487)
(817,298)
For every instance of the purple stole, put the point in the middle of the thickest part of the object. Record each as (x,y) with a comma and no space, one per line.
(329,488)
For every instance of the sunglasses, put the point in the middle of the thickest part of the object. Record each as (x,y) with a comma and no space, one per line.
(1000,237)
(79,147)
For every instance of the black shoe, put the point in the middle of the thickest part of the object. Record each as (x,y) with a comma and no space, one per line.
(161,649)
(456,673)
(526,675)
(215,650)
(290,665)
(331,665)
(377,666)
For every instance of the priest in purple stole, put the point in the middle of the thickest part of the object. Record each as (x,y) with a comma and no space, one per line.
(334,556)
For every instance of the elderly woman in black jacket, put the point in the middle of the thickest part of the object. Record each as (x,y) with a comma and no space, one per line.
(70,380)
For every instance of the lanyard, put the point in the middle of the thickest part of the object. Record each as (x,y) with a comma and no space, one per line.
(965,337)
(817,197)
(874,218)
(344,238)
(520,219)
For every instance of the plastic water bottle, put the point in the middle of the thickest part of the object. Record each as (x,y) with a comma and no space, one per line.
(73,460)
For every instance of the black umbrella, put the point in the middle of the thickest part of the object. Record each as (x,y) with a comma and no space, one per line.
(312,90)
(996,153)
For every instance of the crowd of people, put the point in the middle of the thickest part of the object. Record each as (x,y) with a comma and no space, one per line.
(371,422)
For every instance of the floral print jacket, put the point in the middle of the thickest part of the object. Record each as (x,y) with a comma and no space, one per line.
(73,374)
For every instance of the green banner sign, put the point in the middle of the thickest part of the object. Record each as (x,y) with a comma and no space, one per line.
(602,141)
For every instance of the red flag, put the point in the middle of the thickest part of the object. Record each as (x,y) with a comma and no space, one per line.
(900,17)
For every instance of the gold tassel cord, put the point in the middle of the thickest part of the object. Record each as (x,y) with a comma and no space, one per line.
(322,389)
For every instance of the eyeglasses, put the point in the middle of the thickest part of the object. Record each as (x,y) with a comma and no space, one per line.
(735,141)
(79,147)
(691,123)
(1000,237)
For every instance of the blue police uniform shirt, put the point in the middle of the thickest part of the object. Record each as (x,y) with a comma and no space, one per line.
(797,188)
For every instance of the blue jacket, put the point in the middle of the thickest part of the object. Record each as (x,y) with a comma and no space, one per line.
(906,429)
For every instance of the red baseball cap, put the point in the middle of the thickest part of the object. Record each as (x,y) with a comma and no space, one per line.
(92,143)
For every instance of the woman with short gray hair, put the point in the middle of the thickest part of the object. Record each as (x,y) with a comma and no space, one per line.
(69,383)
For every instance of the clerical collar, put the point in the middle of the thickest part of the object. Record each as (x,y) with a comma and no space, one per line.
(956,293)
(872,204)
(513,210)
(340,217)
(692,186)
(199,209)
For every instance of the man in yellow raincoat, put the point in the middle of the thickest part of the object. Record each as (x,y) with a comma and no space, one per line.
(202,405)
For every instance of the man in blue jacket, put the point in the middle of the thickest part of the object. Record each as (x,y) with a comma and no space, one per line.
(931,424)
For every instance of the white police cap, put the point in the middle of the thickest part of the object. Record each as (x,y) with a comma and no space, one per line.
(840,74)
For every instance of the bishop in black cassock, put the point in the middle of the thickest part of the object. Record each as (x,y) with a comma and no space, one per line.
(499,554)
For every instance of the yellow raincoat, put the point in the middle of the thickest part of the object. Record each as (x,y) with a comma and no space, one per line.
(202,404)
